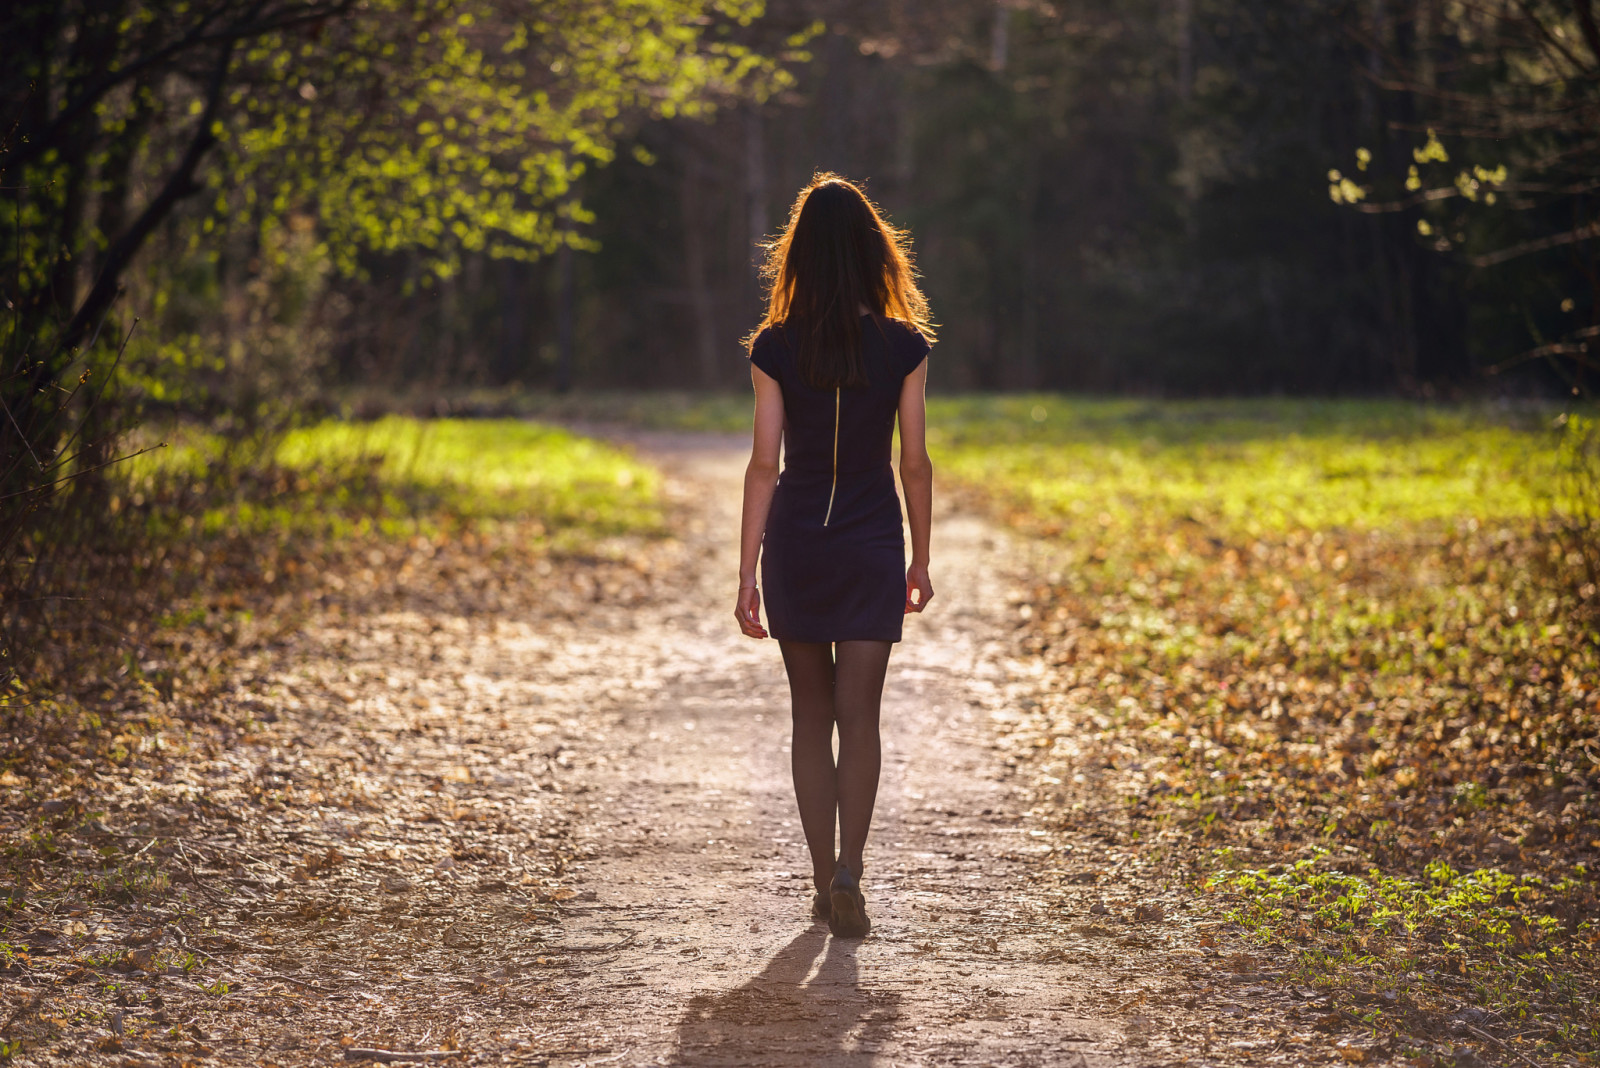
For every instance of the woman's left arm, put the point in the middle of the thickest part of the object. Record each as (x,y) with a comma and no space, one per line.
(760,480)
(916,479)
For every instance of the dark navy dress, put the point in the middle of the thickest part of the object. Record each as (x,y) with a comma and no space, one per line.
(833,558)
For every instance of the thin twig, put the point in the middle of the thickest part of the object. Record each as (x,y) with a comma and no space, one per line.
(387,1056)
(297,982)
(199,884)
(26,1008)
(80,474)
(37,462)
(1499,1043)
(192,841)
(111,373)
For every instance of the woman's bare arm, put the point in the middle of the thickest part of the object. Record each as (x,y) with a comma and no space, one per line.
(760,479)
(916,480)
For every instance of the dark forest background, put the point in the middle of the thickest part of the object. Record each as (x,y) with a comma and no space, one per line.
(1129,197)
(300,198)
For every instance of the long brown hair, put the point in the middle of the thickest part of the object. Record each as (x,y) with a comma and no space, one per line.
(836,254)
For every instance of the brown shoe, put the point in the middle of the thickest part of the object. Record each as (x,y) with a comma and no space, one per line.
(849,915)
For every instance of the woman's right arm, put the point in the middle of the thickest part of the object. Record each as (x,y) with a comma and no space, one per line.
(760,480)
(916,479)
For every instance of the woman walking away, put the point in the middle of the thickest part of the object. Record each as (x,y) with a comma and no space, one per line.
(842,350)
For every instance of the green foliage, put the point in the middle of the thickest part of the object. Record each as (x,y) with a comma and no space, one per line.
(1486,911)
(1498,934)
(482,121)
(1500,175)
(1243,466)
(401,475)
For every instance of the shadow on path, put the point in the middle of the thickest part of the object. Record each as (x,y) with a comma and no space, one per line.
(787,1009)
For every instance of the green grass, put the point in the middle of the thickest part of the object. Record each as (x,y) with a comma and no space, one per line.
(1251,466)
(400,474)
(657,410)
(497,468)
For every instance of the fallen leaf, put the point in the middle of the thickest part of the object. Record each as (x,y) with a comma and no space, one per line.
(458,938)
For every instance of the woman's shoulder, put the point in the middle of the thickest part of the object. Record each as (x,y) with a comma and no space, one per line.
(902,329)
(910,343)
(767,348)
(766,336)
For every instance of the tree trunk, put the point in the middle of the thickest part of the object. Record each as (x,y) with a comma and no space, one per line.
(702,303)
(755,191)
(1000,37)
(180,184)
(1185,30)
(1024,371)
(566,314)
(511,361)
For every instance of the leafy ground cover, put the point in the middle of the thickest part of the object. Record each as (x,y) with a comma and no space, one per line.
(1323,657)
(208,820)
(217,550)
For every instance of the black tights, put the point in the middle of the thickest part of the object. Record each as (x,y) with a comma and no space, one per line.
(835,684)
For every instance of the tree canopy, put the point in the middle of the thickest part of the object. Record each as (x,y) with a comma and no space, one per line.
(440,126)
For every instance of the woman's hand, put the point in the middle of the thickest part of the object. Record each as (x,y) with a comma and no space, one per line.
(917,582)
(748,612)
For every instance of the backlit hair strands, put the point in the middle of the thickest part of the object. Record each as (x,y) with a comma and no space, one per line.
(836,254)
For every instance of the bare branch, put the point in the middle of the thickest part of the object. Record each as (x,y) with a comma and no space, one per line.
(1569,346)
(1390,206)
(1527,248)
(1584,9)
(1547,37)
(180,184)
(199,36)
(79,474)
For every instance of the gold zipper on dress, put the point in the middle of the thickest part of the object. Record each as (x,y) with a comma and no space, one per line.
(835,484)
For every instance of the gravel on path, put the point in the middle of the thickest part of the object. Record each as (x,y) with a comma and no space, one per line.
(691,941)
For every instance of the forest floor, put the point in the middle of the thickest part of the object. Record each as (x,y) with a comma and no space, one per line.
(545,818)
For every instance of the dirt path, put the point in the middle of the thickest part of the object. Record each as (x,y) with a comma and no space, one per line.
(693,918)
(541,815)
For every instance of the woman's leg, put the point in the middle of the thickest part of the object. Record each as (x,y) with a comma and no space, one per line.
(857,692)
(810,669)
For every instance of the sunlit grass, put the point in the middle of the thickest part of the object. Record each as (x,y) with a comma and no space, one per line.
(1248,465)
(503,468)
(1258,464)
(400,474)
(655,410)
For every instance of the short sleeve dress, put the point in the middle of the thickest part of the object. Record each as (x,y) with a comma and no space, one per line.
(833,556)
